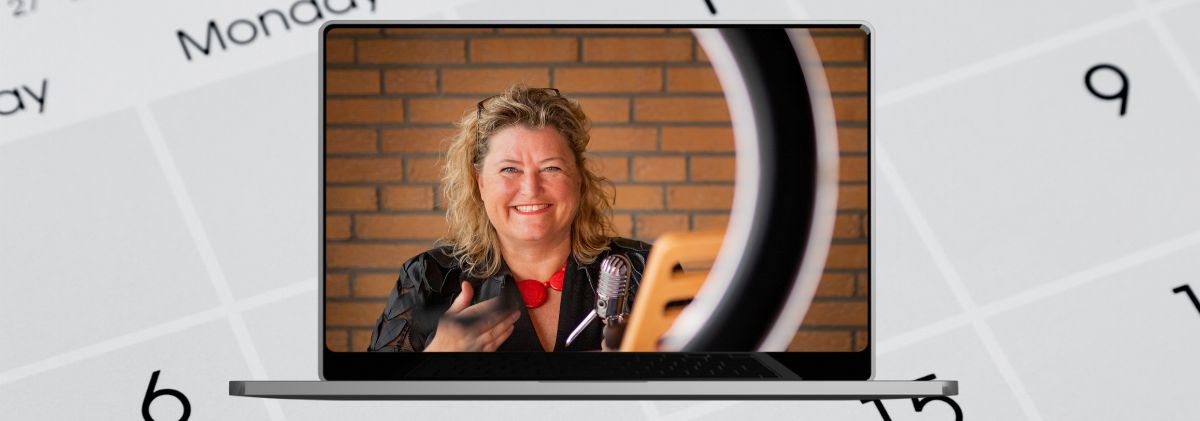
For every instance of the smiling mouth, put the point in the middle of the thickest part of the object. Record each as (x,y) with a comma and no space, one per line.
(531,209)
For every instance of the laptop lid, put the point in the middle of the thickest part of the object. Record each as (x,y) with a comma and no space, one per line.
(668,106)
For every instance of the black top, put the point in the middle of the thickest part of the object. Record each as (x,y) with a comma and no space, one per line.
(430,281)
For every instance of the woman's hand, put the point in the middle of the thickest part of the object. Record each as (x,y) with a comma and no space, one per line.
(472,328)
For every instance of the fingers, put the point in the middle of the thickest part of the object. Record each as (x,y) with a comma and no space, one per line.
(498,337)
(487,313)
(463,300)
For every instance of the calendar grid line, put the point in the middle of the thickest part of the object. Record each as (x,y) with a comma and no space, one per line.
(1185,67)
(1045,290)
(955,283)
(699,410)
(649,410)
(207,252)
(1021,54)
(979,315)
(175,325)
(920,334)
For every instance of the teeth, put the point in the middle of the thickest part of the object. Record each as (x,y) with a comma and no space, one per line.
(532,208)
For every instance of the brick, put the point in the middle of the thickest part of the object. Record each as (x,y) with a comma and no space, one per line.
(350,141)
(605,110)
(364,111)
(360,339)
(848,227)
(833,49)
(436,31)
(491,81)
(852,168)
(337,285)
(697,139)
(410,81)
(345,32)
(821,341)
(847,256)
(524,50)
(637,49)
(710,222)
(411,51)
(408,198)
(846,79)
(351,82)
(852,197)
(615,168)
(374,285)
(370,256)
(608,79)
(713,168)
(424,170)
(339,51)
(675,109)
(659,168)
(700,197)
(421,140)
(337,227)
(525,30)
(363,169)
(623,223)
(350,198)
(337,340)
(860,340)
(848,109)
(701,56)
(352,313)
(439,110)
(864,285)
(609,139)
(692,79)
(611,30)
(652,226)
(638,197)
(834,285)
(400,227)
(852,139)
(836,313)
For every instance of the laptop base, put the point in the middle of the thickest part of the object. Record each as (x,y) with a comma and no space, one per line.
(593,390)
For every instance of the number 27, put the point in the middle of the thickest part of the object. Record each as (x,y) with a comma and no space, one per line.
(19,6)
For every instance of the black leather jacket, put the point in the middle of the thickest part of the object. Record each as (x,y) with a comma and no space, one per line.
(430,281)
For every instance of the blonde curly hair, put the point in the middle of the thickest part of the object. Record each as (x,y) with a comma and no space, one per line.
(473,240)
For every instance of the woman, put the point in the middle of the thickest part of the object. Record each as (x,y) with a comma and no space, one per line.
(529,223)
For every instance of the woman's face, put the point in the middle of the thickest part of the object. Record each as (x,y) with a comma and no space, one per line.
(530,185)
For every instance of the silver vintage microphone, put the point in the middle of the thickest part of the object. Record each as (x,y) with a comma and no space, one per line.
(612,293)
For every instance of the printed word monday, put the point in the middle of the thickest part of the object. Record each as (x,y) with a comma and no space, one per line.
(245,31)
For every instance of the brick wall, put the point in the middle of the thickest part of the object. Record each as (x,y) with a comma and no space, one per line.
(661,133)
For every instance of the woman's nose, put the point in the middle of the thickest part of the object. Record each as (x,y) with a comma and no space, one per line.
(531,184)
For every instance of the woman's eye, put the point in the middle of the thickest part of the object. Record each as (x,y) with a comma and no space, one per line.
(553,169)
(509,170)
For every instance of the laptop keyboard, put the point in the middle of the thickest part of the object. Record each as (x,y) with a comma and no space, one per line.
(591,366)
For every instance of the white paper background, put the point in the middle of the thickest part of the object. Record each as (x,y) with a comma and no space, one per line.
(1028,237)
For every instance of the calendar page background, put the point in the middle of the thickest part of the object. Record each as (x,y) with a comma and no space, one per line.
(1028,237)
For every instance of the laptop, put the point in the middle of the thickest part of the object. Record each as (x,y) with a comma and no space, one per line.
(781,309)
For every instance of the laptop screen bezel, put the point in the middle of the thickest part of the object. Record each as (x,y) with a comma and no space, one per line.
(334,365)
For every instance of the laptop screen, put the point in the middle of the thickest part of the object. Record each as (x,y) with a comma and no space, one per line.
(491,188)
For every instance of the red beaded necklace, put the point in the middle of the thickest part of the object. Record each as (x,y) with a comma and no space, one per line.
(534,291)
